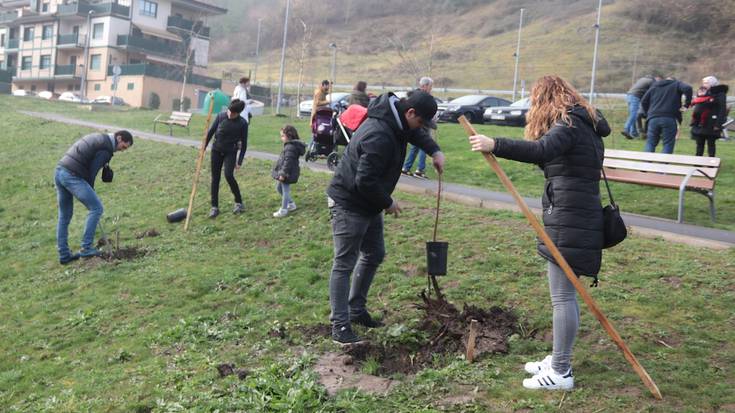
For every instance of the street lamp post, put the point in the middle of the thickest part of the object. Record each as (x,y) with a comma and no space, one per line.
(257,51)
(517,56)
(594,55)
(86,55)
(283,59)
(333,46)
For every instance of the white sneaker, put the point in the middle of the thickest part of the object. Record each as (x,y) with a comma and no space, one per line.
(535,367)
(291,206)
(550,380)
(280,213)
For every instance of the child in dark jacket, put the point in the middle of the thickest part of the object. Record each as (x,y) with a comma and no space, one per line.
(287,170)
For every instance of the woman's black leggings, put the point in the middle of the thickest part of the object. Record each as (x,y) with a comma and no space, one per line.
(711,140)
(228,160)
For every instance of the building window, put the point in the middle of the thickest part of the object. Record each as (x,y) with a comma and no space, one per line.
(26,62)
(131,86)
(44,7)
(98,30)
(97,86)
(33,88)
(27,34)
(48,32)
(113,87)
(45,61)
(2,40)
(69,87)
(148,8)
(96,62)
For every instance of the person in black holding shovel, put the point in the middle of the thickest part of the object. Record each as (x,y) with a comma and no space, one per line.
(564,138)
(360,193)
(230,133)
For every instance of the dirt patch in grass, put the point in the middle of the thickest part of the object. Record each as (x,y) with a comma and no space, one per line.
(410,270)
(227,369)
(674,282)
(117,255)
(149,233)
(316,331)
(338,371)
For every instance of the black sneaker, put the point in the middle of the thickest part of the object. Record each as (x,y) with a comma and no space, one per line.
(420,174)
(70,258)
(344,336)
(626,134)
(213,212)
(406,172)
(364,319)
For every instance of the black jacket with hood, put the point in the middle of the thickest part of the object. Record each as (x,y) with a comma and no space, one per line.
(370,168)
(571,158)
(287,165)
(709,115)
(663,99)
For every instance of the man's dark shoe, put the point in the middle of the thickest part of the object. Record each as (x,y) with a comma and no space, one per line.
(406,172)
(213,212)
(364,319)
(420,174)
(626,134)
(90,252)
(68,259)
(344,336)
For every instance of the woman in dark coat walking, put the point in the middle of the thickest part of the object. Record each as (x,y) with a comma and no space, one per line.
(563,137)
(287,170)
(710,112)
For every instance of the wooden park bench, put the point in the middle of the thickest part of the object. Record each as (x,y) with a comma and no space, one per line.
(175,119)
(685,173)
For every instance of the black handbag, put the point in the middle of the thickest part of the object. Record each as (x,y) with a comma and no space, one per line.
(107,173)
(614,227)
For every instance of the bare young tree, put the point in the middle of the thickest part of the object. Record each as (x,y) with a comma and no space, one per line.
(304,44)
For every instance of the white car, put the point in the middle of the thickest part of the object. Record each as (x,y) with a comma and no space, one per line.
(48,95)
(335,99)
(107,100)
(23,92)
(70,97)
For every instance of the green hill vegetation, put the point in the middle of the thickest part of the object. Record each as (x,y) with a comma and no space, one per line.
(471,44)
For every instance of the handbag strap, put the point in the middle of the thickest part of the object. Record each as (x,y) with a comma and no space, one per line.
(607,185)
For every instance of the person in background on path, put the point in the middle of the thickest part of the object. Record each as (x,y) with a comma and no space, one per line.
(358,96)
(709,114)
(320,98)
(426,84)
(230,132)
(241,93)
(636,92)
(359,195)
(564,138)
(286,171)
(74,178)
(663,107)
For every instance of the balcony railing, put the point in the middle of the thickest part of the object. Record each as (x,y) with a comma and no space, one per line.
(49,72)
(181,24)
(158,47)
(73,39)
(6,75)
(8,16)
(82,8)
(13,44)
(169,73)
(65,70)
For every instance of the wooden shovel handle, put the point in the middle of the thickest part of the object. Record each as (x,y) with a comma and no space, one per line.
(438,200)
(541,232)
(200,159)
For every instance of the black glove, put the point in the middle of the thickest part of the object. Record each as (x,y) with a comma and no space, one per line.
(107,173)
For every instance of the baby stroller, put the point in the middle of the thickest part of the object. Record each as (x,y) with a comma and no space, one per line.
(330,130)
(322,140)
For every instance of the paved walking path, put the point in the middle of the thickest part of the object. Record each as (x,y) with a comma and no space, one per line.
(641,225)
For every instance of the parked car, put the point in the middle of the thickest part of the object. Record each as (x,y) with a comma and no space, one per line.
(23,92)
(513,115)
(48,95)
(107,100)
(471,106)
(335,99)
(70,97)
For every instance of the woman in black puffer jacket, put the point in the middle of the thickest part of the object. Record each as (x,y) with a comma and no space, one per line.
(287,169)
(563,133)
(709,114)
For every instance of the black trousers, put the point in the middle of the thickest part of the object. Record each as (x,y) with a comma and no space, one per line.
(228,160)
(700,139)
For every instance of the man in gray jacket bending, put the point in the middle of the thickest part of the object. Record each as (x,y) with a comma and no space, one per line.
(74,178)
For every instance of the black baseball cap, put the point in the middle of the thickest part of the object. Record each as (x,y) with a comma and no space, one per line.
(424,105)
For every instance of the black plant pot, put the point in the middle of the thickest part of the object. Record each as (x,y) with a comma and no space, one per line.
(436,257)
(177,215)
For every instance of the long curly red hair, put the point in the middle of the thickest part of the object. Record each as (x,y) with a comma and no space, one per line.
(551,99)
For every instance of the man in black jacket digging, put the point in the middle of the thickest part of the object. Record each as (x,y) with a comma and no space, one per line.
(74,178)
(359,194)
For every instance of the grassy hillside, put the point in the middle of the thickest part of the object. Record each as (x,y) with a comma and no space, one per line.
(474,41)
(150,334)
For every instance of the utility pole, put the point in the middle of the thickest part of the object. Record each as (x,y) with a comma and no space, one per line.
(86,56)
(333,46)
(257,51)
(594,56)
(283,59)
(518,56)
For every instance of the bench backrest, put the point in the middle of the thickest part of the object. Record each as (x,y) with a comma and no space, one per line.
(661,163)
(183,116)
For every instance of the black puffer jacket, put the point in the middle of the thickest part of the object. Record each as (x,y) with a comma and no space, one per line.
(85,158)
(369,170)
(571,157)
(710,112)
(287,165)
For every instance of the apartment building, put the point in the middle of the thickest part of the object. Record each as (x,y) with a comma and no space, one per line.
(63,45)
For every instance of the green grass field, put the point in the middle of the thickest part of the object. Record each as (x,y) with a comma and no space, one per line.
(146,335)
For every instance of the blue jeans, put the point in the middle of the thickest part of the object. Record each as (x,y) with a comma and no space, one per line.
(68,187)
(285,191)
(359,249)
(412,156)
(633,104)
(661,126)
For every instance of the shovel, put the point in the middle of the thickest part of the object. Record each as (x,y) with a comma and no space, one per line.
(436,251)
